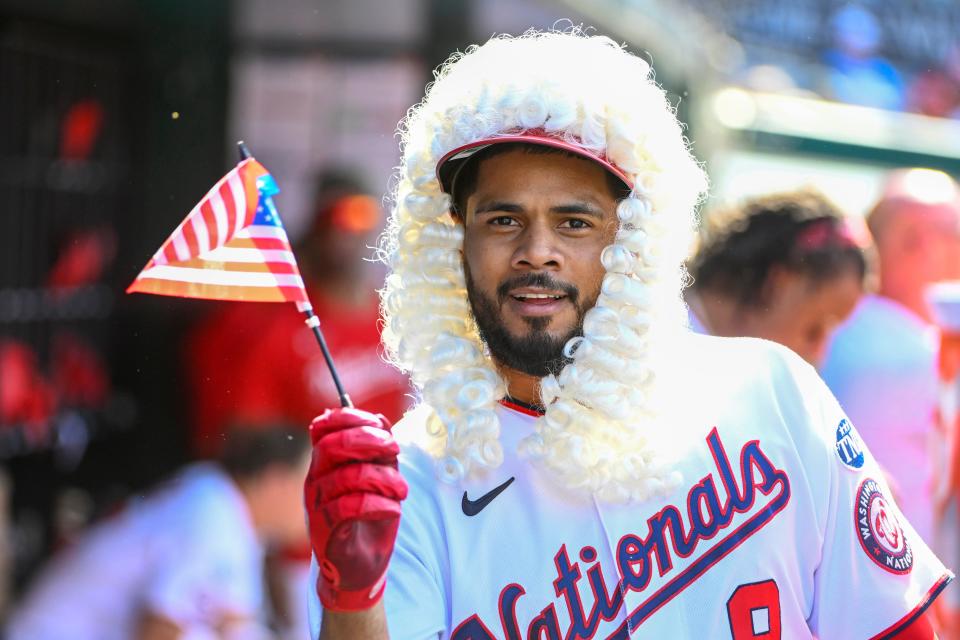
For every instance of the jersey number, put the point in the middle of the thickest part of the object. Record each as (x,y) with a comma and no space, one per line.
(754,611)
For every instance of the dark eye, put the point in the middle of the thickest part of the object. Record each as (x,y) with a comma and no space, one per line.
(575,223)
(503,221)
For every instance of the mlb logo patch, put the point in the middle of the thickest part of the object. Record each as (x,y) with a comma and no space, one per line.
(849,445)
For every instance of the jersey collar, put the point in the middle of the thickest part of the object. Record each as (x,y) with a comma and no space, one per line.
(534,410)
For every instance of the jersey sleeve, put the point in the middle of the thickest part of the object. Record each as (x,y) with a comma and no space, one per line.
(875,575)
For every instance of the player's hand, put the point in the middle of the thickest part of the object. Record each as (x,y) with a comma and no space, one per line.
(353,492)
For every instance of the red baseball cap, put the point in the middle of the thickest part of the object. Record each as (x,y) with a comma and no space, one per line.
(453,161)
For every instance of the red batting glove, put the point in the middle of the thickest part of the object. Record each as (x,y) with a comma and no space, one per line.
(353,492)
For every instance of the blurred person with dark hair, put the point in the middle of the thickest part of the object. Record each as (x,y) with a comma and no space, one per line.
(882,364)
(259,362)
(186,561)
(786,267)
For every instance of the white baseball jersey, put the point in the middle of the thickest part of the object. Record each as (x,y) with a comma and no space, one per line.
(781,528)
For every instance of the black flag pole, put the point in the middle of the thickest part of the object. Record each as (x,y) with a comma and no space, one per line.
(312,321)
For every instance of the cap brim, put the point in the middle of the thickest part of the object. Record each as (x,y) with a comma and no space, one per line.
(451,163)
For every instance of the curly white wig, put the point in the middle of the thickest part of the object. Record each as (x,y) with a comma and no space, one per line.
(599,432)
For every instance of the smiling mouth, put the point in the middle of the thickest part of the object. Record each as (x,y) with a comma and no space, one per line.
(536,295)
(533,297)
(538,303)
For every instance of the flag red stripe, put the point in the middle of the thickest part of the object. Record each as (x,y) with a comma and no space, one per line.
(200,229)
(226,194)
(193,243)
(170,251)
(210,222)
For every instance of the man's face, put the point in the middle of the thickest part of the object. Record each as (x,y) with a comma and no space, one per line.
(534,229)
(924,240)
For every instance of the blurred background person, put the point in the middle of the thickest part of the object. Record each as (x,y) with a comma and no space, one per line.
(858,73)
(936,90)
(250,363)
(285,375)
(185,561)
(882,363)
(787,267)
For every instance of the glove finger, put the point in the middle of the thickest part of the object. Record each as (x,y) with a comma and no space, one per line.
(344,418)
(325,516)
(364,478)
(358,444)
(360,507)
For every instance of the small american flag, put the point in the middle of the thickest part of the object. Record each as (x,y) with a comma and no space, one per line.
(231,246)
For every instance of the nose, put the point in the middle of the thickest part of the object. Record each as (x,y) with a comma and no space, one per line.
(537,249)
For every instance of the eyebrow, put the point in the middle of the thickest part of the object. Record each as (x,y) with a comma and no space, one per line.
(581,208)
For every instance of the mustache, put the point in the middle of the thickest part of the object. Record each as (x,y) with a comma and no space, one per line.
(542,280)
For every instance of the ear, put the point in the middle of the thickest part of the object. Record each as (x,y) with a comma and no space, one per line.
(776,280)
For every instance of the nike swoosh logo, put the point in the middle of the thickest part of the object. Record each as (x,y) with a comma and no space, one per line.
(473,507)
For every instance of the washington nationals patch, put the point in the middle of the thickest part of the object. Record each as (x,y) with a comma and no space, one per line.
(881,535)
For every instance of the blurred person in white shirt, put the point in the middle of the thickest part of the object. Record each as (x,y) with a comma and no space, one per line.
(882,364)
(186,562)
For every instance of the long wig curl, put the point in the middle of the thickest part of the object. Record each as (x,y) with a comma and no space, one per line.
(600,430)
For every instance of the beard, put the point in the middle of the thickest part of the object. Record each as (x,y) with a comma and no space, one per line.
(537,352)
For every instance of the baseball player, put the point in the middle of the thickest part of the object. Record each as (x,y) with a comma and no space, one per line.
(581,465)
